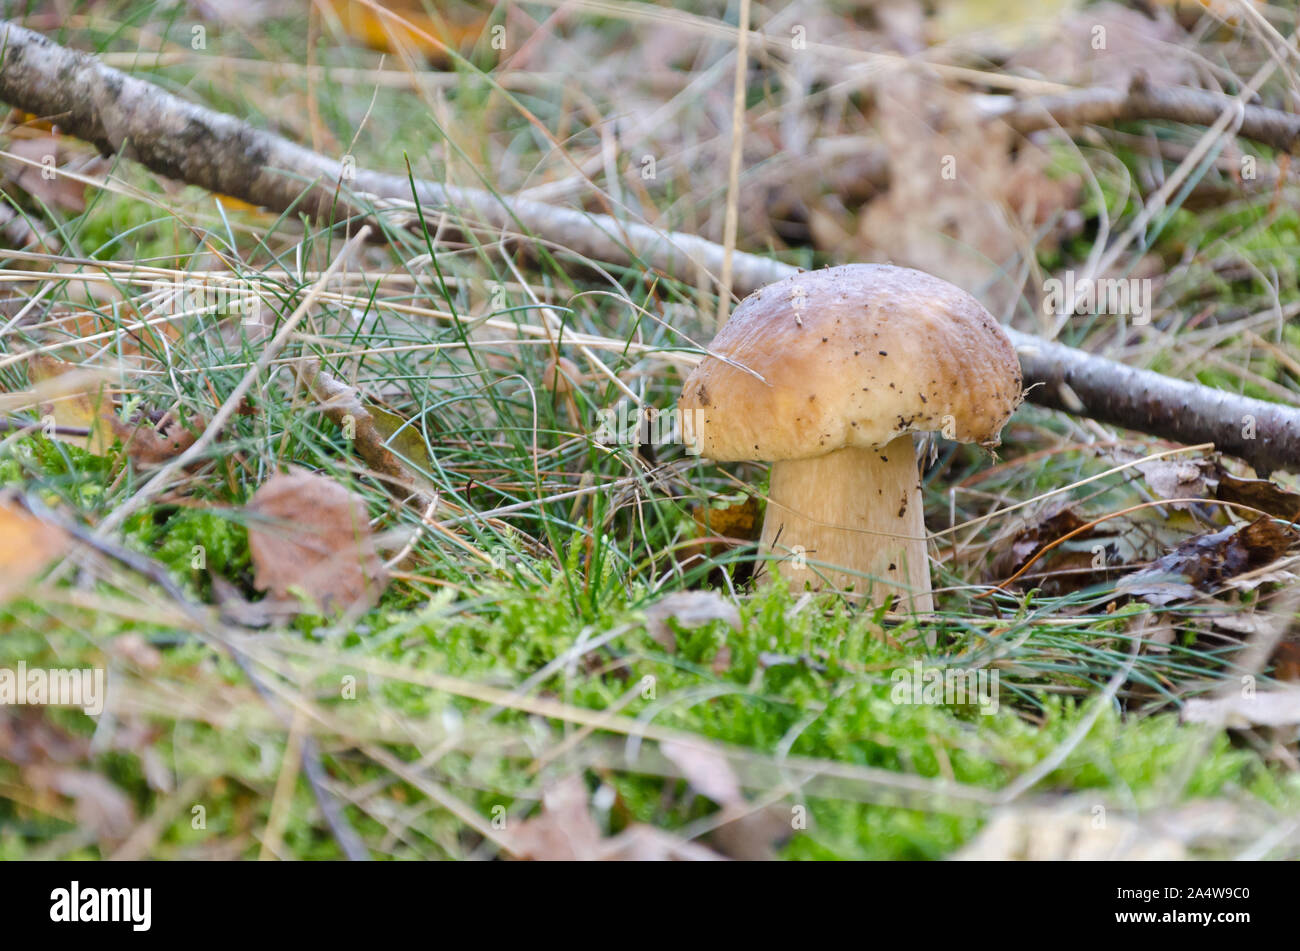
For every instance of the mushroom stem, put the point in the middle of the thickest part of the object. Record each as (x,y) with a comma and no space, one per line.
(858,517)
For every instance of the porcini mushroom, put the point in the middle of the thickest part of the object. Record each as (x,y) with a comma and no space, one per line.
(827,374)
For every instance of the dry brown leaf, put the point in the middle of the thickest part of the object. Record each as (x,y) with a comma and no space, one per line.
(689,609)
(706,770)
(1051,833)
(1259,708)
(44,183)
(311,535)
(101,807)
(1105,44)
(373,431)
(746,833)
(1207,561)
(410,28)
(645,843)
(1177,479)
(27,738)
(88,409)
(959,204)
(153,441)
(27,545)
(1258,494)
(1060,571)
(565,831)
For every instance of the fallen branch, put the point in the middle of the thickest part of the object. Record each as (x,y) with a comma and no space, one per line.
(184,141)
(1100,105)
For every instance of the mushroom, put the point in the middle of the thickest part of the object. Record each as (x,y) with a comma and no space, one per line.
(827,374)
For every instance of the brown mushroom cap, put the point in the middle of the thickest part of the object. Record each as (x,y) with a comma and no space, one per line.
(851,356)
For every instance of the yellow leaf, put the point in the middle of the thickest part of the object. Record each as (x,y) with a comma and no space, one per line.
(27,545)
(86,409)
(408,27)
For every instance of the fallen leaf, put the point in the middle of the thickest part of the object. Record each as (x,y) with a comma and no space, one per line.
(982,189)
(1286,659)
(1239,711)
(150,441)
(690,609)
(1053,523)
(42,181)
(1258,494)
(1177,479)
(1059,833)
(371,429)
(307,533)
(101,807)
(1069,53)
(27,738)
(565,831)
(745,833)
(1242,622)
(77,409)
(27,545)
(402,437)
(1207,561)
(644,843)
(707,771)
(1067,570)
(408,27)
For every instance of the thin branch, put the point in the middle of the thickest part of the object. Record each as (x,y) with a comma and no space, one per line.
(1101,105)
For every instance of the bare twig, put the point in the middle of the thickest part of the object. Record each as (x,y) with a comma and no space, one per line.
(1142,100)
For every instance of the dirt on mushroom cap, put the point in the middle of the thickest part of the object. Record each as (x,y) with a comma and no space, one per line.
(854,355)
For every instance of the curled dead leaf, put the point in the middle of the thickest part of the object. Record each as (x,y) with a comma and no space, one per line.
(151,439)
(1205,562)
(1258,494)
(690,609)
(1177,479)
(383,439)
(309,534)
(1259,708)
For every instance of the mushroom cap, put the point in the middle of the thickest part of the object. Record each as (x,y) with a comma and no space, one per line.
(855,355)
